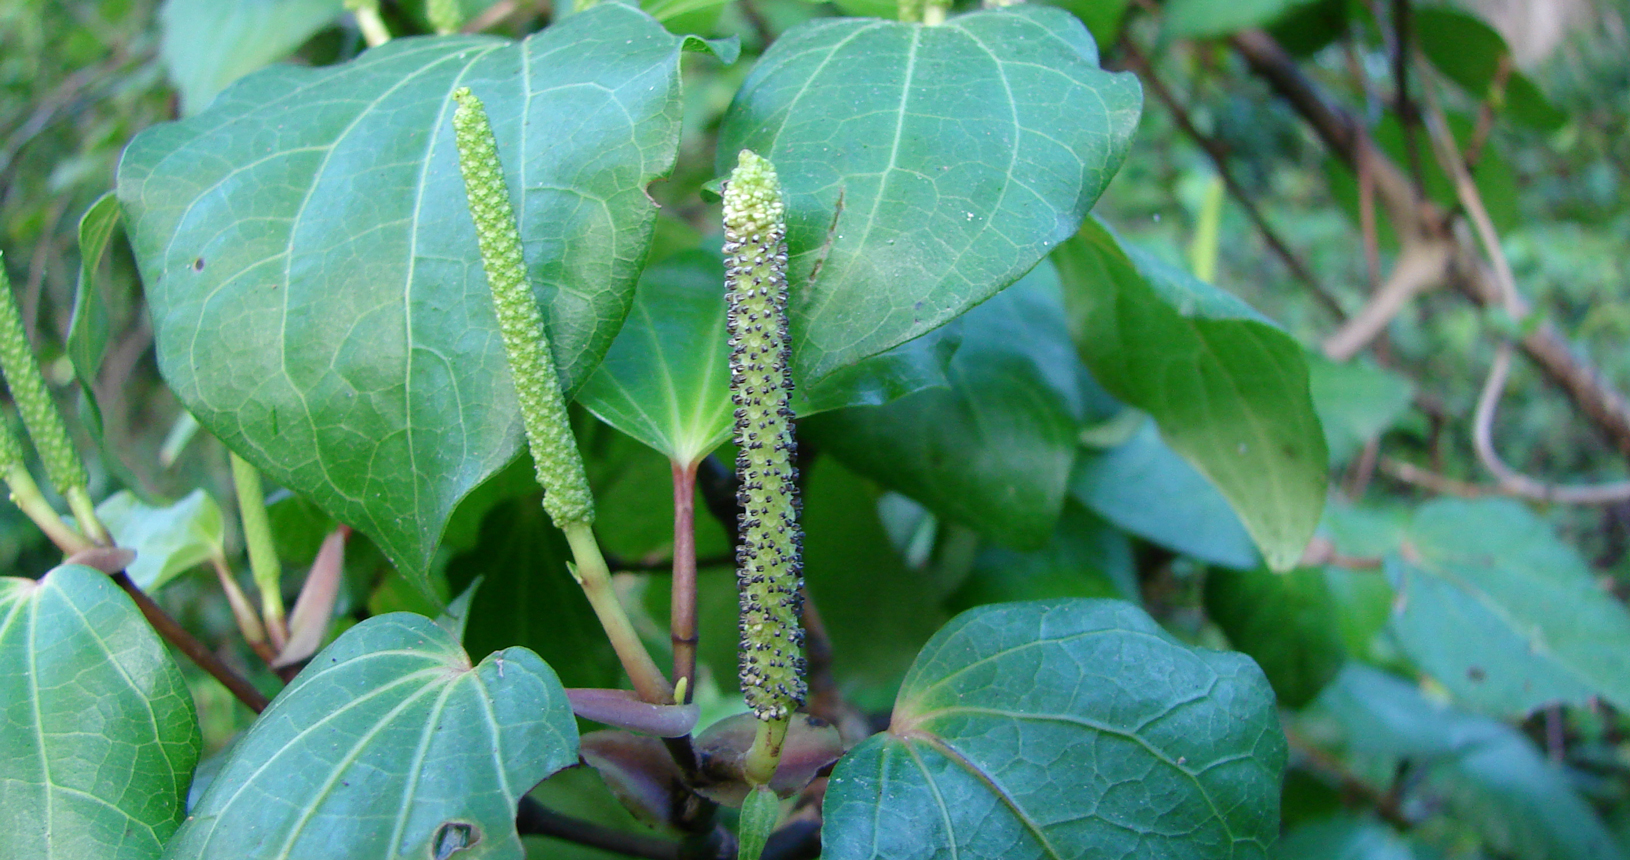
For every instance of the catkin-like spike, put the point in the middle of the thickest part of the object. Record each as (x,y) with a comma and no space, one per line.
(769,555)
(34,403)
(543,410)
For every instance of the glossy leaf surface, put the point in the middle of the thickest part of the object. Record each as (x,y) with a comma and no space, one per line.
(926,168)
(100,736)
(316,290)
(1073,728)
(666,379)
(993,450)
(1144,487)
(389,744)
(1503,613)
(1228,388)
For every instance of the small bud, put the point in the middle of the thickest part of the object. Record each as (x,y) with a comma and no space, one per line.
(543,410)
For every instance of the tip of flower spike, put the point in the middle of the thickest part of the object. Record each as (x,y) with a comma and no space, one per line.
(752,196)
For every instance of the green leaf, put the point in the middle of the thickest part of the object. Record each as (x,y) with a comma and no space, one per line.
(912,366)
(909,216)
(666,379)
(389,744)
(1228,389)
(759,815)
(1086,557)
(101,737)
(168,541)
(993,450)
(88,328)
(1143,487)
(1470,52)
(1504,614)
(311,265)
(1480,771)
(1289,623)
(208,44)
(1073,728)
(528,598)
(1204,19)
(1357,401)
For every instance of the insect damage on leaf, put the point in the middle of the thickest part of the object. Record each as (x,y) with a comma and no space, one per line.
(769,566)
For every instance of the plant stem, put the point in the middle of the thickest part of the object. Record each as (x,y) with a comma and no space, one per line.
(177,635)
(595,578)
(682,619)
(26,495)
(765,753)
(257,533)
(84,510)
(373,28)
(534,819)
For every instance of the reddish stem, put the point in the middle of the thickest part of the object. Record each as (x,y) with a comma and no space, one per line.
(682,622)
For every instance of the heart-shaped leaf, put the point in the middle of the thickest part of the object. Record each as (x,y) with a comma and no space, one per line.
(1227,387)
(100,736)
(926,168)
(317,295)
(666,379)
(390,744)
(1073,728)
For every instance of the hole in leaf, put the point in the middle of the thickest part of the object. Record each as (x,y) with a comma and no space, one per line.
(453,837)
(198,264)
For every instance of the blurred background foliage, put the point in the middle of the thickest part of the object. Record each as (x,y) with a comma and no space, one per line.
(1388,762)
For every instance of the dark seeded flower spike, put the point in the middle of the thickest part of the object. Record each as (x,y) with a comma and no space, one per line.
(769,565)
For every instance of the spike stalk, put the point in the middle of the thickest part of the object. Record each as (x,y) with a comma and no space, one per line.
(769,565)
(566,493)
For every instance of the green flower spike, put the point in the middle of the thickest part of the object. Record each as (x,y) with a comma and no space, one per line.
(543,409)
(40,415)
(769,563)
(566,494)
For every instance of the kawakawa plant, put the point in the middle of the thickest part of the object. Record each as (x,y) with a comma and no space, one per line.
(321,203)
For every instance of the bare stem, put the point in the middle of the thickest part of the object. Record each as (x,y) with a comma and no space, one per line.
(178,636)
(595,578)
(26,495)
(682,619)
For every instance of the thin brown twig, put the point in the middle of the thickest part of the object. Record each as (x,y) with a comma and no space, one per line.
(1488,400)
(184,642)
(1385,803)
(1597,400)
(1218,153)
